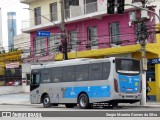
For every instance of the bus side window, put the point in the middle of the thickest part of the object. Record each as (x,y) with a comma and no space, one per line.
(69,74)
(106,70)
(81,73)
(46,76)
(56,74)
(95,71)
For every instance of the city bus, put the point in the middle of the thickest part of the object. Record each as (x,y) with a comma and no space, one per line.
(85,82)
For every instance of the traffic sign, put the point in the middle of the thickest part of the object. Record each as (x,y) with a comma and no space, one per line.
(43,33)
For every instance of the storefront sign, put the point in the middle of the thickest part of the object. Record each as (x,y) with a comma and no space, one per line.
(12,65)
(154,61)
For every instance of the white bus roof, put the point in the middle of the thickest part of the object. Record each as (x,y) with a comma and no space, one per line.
(69,62)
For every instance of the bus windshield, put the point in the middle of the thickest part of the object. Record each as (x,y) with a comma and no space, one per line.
(128,66)
(35,79)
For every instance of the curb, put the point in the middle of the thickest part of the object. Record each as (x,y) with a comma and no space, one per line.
(15,93)
(19,104)
(29,104)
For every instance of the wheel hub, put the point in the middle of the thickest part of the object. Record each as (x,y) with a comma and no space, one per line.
(46,100)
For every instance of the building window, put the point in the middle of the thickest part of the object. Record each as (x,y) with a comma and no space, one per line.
(73,40)
(53,11)
(39,44)
(92,36)
(53,43)
(114,33)
(37,15)
(91,6)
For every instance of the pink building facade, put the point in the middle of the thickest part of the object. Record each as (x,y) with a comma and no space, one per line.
(94,33)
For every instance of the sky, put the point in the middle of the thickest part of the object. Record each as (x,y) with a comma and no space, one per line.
(21,14)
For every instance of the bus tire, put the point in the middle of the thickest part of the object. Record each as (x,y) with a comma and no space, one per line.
(114,105)
(69,105)
(83,101)
(46,101)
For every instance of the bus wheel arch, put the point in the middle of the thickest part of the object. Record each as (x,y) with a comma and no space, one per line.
(45,99)
(83,100)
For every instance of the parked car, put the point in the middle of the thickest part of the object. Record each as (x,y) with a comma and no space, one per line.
(14,83)
(10,83)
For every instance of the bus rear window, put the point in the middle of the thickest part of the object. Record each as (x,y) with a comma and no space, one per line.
(127,66)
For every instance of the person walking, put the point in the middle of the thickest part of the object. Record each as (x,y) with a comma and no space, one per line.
(148,89)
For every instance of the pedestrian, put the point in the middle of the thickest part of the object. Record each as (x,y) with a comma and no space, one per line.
(148,89)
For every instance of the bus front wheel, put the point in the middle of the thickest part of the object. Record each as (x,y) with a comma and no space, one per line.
(83,101)
(46,101)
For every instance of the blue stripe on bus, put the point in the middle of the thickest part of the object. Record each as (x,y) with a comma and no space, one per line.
(92,91)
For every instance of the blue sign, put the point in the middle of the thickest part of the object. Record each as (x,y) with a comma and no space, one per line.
(43,33)
(154,61)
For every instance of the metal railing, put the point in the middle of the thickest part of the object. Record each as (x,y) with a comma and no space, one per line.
(33,22)
(73,11)
(76,11)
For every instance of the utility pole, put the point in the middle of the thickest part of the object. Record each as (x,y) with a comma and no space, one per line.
(142,38)
(142,41)
(63,34)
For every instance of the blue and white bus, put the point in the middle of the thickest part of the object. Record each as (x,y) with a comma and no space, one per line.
(86,81)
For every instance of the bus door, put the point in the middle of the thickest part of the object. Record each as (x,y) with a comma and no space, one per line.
(128,75)
(34,87)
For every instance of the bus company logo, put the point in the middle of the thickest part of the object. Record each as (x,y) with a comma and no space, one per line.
(130,80)
(6,114)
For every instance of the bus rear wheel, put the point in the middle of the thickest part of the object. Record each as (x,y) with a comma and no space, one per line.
(46,101)
(83,101)
(114,105)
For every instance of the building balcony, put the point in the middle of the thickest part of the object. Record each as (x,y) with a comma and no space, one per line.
(27,1)
(41,22)
(86,11)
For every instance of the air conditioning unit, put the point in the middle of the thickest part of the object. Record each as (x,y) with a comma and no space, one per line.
(144,14)
(132,16)
(76,11)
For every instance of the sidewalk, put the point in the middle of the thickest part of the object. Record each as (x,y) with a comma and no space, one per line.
(17,99)
(23,99)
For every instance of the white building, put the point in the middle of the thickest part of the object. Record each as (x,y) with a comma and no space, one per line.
(21,14)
